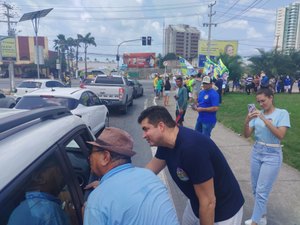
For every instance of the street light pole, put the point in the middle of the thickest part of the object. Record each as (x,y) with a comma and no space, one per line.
(118,57)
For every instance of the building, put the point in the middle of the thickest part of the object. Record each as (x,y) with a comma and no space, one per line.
(287,30)
(182,40)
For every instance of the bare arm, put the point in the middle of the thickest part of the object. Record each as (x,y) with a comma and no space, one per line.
(208,109)
(156,165)
(248,130)
(207,202)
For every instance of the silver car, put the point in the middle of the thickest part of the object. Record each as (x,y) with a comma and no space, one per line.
(7,101)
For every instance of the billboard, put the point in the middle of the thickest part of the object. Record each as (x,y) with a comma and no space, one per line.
(139,60)
(8,49)
(229,47)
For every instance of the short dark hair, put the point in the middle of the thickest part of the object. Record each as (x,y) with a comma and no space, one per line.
(156,114)
(179,78)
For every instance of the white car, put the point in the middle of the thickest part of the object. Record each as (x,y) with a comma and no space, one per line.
(28,86)
(6,101)
(81,102)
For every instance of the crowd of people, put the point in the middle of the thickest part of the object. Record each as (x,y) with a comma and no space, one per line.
(278,84)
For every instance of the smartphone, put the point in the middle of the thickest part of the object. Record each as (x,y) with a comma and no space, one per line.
(251,108)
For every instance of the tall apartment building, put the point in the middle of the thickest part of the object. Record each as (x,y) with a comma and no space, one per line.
(287,30)
(182,40)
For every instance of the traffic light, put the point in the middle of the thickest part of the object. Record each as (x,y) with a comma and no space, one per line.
(149,40)
(144,41)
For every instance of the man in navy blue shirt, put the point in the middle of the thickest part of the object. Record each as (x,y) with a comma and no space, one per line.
(197,166)
(208,105)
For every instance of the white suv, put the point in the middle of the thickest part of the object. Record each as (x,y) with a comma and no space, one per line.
(28,86)
(44,166)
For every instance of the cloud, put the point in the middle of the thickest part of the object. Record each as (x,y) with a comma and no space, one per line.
(252,33)
(235,24)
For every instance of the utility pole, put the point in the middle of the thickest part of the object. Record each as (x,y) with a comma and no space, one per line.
(11,34)
(210,15)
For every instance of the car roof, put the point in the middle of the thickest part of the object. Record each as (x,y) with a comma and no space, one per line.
(59,92)
(5,112)
(26,146)
(40,80)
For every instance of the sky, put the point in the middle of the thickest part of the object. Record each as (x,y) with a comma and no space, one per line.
(250,22)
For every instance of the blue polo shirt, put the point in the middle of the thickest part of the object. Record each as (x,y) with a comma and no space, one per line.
(208,98)
(194,160)
(130,195)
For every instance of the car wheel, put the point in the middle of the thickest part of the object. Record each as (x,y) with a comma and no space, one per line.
(12,105)
(131,102)
(142,93)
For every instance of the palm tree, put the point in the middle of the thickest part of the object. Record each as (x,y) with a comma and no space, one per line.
(60,45)
(86,40)
(70,53)
(77,43)
(233,64)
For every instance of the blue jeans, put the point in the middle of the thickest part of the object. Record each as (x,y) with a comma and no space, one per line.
(265,165)
(204,128)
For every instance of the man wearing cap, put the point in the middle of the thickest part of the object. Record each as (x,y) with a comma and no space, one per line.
(207,107)
(125,194)
(197,166)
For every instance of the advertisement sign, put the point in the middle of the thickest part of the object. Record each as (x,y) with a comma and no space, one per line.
(216,47)
(8,49)
(139,60)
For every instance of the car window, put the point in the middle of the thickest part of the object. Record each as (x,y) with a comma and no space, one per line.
(109,80)
(35,102)
(30,84)
(85,99)
(41,195)
(54,83)
(94,98)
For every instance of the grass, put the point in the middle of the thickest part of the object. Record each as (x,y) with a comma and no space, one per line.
(233,111)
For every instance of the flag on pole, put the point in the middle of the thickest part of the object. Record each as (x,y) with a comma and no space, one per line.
(186,68)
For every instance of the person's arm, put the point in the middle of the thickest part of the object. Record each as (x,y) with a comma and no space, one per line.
(208,109)
(156,165)
(279,132)
(207,201)
(247,129)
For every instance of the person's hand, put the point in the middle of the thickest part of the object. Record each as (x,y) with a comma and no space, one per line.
(254,114)
(93,185)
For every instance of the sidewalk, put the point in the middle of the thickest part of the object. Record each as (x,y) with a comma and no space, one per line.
(284,201)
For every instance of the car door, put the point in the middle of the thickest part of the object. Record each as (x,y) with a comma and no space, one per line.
(85,112)
(100,112)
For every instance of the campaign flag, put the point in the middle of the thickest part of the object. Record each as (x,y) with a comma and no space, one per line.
(186,68)
(222,69)
(209,67)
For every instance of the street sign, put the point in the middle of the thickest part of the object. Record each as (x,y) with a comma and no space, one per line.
(8,51)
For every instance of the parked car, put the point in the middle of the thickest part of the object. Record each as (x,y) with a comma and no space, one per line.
(7,101)
(44,162)
(28,86)
(81,102)
(138,89)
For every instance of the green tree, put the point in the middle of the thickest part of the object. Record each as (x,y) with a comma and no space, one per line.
(77,42)
(86,40)
(60,45)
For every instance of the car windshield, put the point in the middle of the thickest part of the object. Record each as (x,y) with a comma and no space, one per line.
(54,83)
(109,80)
(34,102)
(30,84)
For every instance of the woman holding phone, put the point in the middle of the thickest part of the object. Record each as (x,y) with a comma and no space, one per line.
(269,126)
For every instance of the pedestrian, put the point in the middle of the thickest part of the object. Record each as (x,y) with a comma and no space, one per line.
(269,125)
(159,86)
(155,80)
(197,87)
(219,85)
(167,87)
(256,81)
(125,194)
(249,84)
(287,83)
(264,80)
(299,85)
(197,166)
(207,107)
(181,101)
